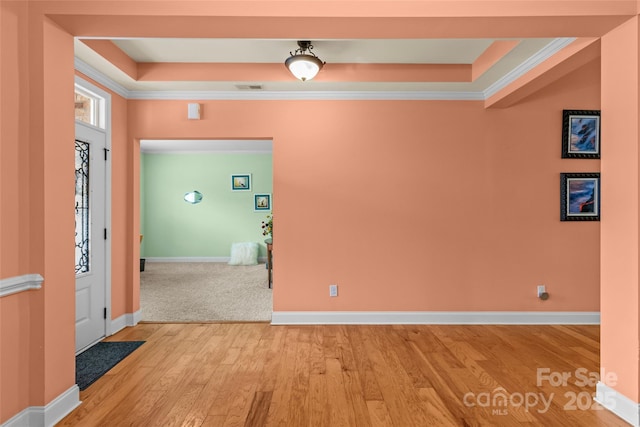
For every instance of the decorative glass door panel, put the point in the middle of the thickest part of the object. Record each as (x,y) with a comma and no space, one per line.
(83,220)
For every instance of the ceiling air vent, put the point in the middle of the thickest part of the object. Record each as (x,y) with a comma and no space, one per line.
(249,87)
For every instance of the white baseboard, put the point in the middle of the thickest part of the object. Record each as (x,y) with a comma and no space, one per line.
(13,285)
(435,317)
(135,318)
(195,259)
(188,259)
(127,319)
(49,415)
(618,403)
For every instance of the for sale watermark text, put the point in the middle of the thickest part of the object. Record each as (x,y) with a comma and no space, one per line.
(581,377)
(500,400)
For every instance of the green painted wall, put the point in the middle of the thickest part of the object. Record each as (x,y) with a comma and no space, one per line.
(175,228)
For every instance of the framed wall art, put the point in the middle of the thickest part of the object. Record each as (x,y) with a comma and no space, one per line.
(240,182)
(580,134)
(580,197)
(261,202)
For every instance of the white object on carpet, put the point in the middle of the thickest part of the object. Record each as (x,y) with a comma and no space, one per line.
(244,253)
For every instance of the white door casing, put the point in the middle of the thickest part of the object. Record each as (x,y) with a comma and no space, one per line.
(91,283)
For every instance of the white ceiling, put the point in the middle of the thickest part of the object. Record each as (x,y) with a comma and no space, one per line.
(422,51)
(382,51)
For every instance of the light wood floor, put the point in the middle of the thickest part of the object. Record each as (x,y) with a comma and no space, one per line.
(255,374)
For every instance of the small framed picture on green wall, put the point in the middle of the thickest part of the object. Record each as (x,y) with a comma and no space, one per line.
(241,181)
(261,202)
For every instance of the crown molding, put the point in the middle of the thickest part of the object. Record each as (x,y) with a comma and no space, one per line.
(107,82)
(536,59)
(542,55)
(302,95)
(213,151)
(98,77)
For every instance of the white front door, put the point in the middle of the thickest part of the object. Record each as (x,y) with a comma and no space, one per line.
(90,235)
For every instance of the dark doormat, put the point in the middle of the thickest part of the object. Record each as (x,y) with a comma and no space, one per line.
(96,361)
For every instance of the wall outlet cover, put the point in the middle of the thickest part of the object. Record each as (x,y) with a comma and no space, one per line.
(333,290)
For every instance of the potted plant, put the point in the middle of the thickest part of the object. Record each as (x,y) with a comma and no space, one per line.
(267,226)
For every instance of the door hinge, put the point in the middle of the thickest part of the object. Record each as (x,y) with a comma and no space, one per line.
(106,151)
(105,234)
(105,312)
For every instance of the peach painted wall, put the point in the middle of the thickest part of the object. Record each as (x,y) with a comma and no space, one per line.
(121,215)
(414,205)
(121,283)
(56,181)
(620,188)
(37,338)
(15,317)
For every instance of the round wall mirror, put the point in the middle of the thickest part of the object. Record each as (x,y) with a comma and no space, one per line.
(193,197)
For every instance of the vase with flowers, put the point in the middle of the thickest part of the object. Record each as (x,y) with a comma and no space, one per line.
(267,226)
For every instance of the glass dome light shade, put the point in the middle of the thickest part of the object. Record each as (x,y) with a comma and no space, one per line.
(304,67)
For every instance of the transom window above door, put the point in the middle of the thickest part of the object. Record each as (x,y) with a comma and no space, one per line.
(89,107)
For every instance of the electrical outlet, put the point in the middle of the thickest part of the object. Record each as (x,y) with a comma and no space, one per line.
(542,293)
(333,290)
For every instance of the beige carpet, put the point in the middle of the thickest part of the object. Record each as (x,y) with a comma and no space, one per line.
(204,291)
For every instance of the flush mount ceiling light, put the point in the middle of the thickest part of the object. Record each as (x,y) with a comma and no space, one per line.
(302,64)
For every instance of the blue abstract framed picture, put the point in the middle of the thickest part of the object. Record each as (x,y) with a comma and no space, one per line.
(261,202)
(580,134)
(580,196)
(241,181)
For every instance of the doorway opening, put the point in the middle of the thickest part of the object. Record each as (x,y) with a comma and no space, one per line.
(187,246)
